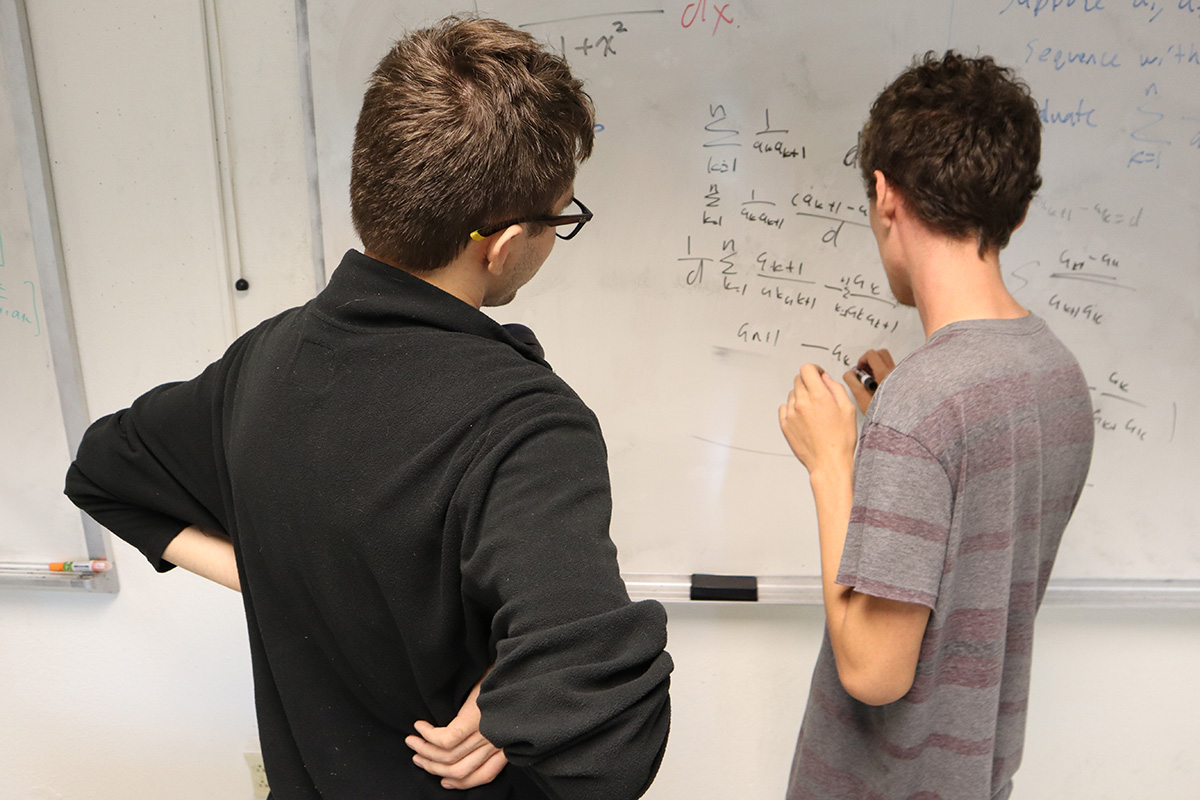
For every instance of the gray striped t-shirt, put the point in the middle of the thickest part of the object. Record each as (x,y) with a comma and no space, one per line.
(971,459)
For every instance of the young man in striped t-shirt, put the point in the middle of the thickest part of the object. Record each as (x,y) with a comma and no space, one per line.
(937,541)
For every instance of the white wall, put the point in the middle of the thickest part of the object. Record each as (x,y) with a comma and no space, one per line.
(1113,706)
(146,695)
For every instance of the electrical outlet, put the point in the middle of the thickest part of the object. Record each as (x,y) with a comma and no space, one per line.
(258,774)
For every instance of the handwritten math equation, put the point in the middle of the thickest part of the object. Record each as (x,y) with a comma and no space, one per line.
(702,12)
(603,40)
(776,227)
(1086,292)
(766,250)
(1122,411)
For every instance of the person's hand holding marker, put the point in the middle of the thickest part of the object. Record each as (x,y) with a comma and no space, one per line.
(864,379)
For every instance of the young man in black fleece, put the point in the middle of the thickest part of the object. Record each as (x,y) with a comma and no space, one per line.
(411,494)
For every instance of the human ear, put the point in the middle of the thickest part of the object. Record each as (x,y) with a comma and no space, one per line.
(500,247)
(886,198)
(1024,214)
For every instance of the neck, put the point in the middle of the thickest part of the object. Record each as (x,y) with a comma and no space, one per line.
(451,279)
(952,283)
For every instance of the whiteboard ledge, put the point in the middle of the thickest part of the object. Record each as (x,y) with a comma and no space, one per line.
(772,589)
(1065,592)
(41,578)
(1140,593)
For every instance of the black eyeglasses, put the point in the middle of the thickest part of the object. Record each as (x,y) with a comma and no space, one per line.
(578,220)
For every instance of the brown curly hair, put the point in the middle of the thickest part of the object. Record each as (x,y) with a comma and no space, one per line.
(960,138)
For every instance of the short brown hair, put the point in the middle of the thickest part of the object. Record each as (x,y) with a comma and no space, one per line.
(960,138)
(464,123)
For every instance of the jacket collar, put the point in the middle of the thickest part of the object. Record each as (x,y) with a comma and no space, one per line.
(369,295)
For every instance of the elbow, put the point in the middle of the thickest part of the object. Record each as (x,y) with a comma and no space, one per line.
(875,687)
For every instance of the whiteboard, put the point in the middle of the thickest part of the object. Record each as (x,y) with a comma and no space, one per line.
(731,245)
(42,413)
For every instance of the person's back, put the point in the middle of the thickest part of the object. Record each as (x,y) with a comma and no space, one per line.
(413,496)
(384,554)
(939,534)
(976,448)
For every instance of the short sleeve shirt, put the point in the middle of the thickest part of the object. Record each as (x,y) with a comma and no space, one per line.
(971,459)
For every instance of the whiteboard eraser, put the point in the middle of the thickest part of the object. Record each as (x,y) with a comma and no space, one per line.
(724,587)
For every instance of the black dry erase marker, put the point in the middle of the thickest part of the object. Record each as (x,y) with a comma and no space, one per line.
(867,379)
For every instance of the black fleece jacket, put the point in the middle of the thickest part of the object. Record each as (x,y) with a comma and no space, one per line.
(413,495)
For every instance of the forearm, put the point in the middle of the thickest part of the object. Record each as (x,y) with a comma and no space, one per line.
(833,494)
(207,554)
(580,672)
(148,471)
(561,701)
(876,641)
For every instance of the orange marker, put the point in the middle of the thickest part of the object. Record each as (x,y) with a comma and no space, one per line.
(81,567)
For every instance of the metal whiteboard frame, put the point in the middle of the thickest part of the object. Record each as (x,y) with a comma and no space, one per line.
(309,120)
(772,589)
(1066,592)
(47,247)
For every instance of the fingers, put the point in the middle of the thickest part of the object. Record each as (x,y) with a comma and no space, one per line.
(812,384)
(458,735)
(862,397)
(838,391)
(458,752)
(878,362)
(809,379)
(462,769)
(484,774)
(818,420)
(457,763)
(435,745)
